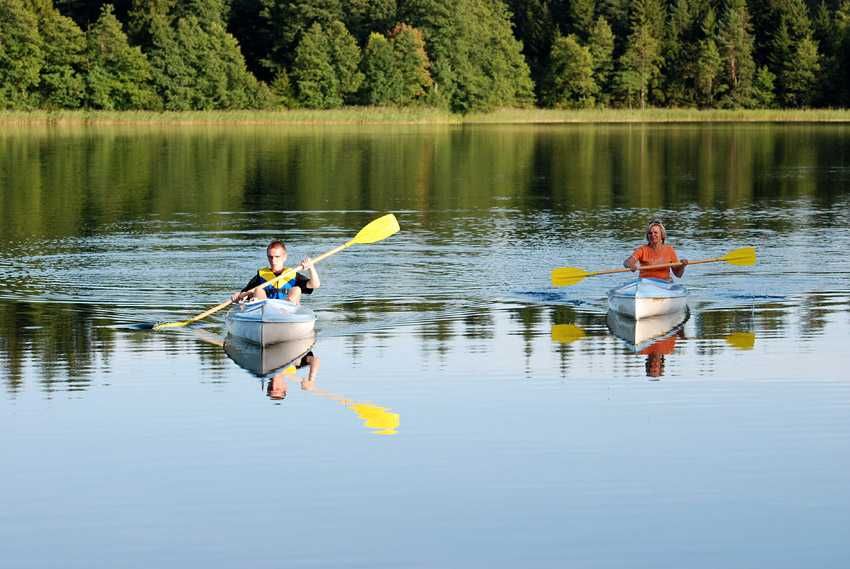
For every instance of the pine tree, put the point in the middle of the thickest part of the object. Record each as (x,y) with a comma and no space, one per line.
(764,88)
(736,51)
(119,76)
(476,63)
(21,55)
(362,17)
(382,77)
(639,66)
(708,61)
(345,57)
(535,26)
(62,84)
(602,53)
(412,63)
(570,83)
(286,21)
(316,81)
(801,74)
(581,18)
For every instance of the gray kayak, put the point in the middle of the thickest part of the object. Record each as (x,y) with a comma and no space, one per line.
(270,321)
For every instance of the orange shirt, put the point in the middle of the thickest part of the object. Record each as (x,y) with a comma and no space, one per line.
(649,256)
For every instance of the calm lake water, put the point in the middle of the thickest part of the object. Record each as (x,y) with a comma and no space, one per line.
(464,413)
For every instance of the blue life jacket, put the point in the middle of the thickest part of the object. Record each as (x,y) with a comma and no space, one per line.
(281,290)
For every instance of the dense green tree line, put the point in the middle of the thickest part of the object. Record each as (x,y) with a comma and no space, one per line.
(462,55)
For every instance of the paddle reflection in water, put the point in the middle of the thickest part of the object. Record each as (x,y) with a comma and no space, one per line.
(278,363)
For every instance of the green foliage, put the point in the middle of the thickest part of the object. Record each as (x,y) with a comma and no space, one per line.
(801,74)
(570,83)
(534,23)
(285,22)
(317,84)
(763,88)
(736,51)
(602,53)
(380,71)
(412,63)
(361,17)
(119,76)
(62,84)
(282,93)
(708,62)
(197,64)
(639,65)
(345,57)
(326,67)
(477,64)
(581,18)
(21,55)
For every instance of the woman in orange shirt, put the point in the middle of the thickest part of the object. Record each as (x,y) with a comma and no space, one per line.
(656,252)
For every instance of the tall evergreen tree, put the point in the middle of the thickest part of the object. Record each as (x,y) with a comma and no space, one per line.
(382,77)
(196,63)
(316,81)
(62,84)
(411,59)
(679,55)
(477,63)
(736,51)
(601,45)
(345,57)
(581,18)
(119,76)
(800,75)
(708,61)
(570,83)
(361,17)
(286,21)
(535,27)
(21,55)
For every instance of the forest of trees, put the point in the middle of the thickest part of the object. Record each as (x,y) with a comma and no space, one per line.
(459,55)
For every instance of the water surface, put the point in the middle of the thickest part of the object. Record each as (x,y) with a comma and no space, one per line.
(464,412)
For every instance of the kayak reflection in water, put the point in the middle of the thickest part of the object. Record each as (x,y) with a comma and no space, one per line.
(290,290)
(656,252)
(277,385)
(655,354)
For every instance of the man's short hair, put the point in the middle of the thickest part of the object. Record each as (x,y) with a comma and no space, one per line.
(276,243)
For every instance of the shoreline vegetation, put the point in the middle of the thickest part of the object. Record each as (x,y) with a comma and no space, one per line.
(419,116)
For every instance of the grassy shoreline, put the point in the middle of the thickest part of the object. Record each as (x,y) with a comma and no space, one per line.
(420,116)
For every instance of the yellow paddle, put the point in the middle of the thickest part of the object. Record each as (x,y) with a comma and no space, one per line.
(376,230)
(567,333)
(568,276)
(741,340)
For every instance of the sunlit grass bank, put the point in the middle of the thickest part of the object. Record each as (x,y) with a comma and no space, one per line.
(419,115)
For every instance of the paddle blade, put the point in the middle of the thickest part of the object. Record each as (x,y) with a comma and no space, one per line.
(163,325)
(741,340)
(568,276)
(378,230)
(382,421)
(567,333)
(744,256)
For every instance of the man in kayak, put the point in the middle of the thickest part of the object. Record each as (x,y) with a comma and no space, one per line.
(656,252)
(291,289)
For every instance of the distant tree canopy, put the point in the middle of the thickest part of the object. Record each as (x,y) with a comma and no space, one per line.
(461,55)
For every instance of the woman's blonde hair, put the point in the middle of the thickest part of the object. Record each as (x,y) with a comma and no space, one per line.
(653,223)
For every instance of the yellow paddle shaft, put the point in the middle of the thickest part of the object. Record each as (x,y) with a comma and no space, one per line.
(285,275)
(647,267)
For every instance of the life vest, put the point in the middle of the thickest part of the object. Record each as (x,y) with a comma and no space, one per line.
(281,290)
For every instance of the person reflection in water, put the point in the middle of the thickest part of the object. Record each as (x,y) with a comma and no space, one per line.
(656,353)
(277,386)
(656,252)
